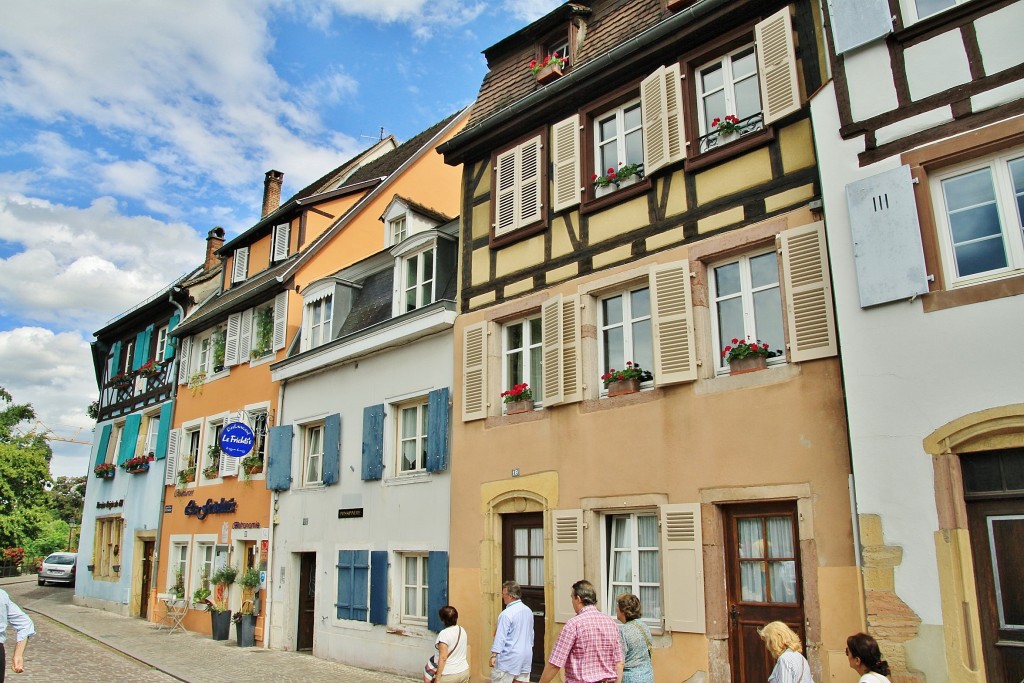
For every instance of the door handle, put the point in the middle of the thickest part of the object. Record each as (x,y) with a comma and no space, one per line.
(734,613)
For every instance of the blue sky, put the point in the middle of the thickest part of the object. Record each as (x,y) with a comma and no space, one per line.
(130,129)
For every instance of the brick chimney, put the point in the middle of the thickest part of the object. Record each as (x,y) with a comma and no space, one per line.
(214,241)
(272,192)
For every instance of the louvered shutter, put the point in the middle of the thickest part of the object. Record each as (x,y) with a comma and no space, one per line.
(776,55)
(529,182)
(115,359)
(505,192)
(231,355)
(332,450)
(437,587)
(373,442)
(474,372)
(184,360)
(682,577)
(674,356)
(655,125)
(282,235)
(551,349)
(353,584)
(102,445)
(379,587)
(809,316)
(129,438)
(171,466)
(240,265)
(280,320)
(572,385)
(437,430)
(169,347)
(565,156)
(229,463)
(142,341)
(164,430)
(279,458)
(245,335)
(674,113)
(567,540)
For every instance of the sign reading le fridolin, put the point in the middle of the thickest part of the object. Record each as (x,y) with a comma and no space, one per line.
(209,508)
(236,439)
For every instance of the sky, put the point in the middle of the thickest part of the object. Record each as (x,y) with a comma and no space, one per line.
(129,129)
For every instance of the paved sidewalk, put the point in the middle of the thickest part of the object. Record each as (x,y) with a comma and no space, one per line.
(194,657)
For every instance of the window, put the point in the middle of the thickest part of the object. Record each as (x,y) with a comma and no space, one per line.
(193,441)
(414,589)
(729,87)
(523,356)
(161,344)
(412,438)
(418,282)
(746,303)
(618,142)
(209,558)
(980,211)
(926,8)
(312,455)
(262,337)
(517,187)
(240,265)
(152,432)
(625,330)
(114,445)
(319,314)
(767,558)
(353,584)
(258,422)
(106,552)
(211,464)
(398,230)
(127,357)
(177,568)
(633,561)
(279,242)
(210,351)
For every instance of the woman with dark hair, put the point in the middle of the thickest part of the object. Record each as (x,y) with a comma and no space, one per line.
(636,641)
(866,659)
(451,644)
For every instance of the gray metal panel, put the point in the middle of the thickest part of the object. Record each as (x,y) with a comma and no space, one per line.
(858,22)
(886,238)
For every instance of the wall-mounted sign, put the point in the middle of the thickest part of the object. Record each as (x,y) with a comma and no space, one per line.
(236,439)
(209,508)
(350,512)
(245,525)
(184,493)
(168,508)
(110,504)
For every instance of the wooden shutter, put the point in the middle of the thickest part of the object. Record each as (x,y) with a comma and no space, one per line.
(229,463)
(245,335)
(280,320)
(437,587)
(332,449)
(231,355)
(437,430)
(572,385)
(655,125)
(551,349)
(171,469)
(530,166)
(102,445)
(809,316)
(672,311)
(282,235)
(682,577)
(184,360)
(353,582)
(474,372)
(379,587)
(674,113)
(776,55)
(142,348)
(505,192)
(279,458)
(240,265)
(129,438)
(164,430)
(115,359)
(373,442)
(565,157)
(567,539)
(169,347)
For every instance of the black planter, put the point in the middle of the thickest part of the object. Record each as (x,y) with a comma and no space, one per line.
(221,624)
(245,630)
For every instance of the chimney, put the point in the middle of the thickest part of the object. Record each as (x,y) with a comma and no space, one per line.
(214,241)
(272,192)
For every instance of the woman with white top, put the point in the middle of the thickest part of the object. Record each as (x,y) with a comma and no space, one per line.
(452,643)
(785,646)
(866,659)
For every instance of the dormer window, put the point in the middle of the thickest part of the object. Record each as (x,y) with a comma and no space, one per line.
(397,229)
(279,242)
(325,305)
(240,265)
(320,321)
(418,282)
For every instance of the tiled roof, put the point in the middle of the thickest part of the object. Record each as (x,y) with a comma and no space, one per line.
(393,160)
(424,210)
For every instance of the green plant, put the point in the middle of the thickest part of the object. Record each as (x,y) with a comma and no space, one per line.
(558,60)
(179,584)
(613,177)
(251,464)
(264,332)
(219,342)
(221,580)
(250,578)
(187,475)
(729,124)
(196,381)
(213,455)
(742,349)
(632,371)
(103,468)
(200,595)
(519,392)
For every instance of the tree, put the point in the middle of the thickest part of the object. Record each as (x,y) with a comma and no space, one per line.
(25,506)
(67,497)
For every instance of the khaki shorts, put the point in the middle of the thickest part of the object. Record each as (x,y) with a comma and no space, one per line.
(455,678)
(498,676)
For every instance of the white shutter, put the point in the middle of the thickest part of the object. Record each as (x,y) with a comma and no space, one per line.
(672,311)
(682,578)
(572,385)
(551,349)
(474,372)
(565,156)
(652,106)
(529,183)
(171,464)
(280,320)
(184,359)
(231,355)
(674,113)
(505,192)
(229,464)
(776,55)
(809,316)
(567,539)
(240,265)
(245,335)
(282,234)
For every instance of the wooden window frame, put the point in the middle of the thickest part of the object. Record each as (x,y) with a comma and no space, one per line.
(541,224)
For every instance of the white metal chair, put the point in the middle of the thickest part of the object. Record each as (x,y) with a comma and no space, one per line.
(177,608)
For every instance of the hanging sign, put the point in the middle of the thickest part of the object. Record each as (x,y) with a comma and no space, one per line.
(237,439)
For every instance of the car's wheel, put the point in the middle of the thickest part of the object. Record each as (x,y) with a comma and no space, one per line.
(41,582)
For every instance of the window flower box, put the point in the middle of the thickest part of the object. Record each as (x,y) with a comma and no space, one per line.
(187,476)
(137,465)
(746,356)
(549,74)
(740,366)
(548,69)
(625,386)
(515,407)
(627,381)
(104,470)
(518,399)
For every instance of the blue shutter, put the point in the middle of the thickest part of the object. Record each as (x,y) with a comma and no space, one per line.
(353,580)
(169,349)
(279,458)
(437,430)
(332,449)
(379,587)
(437,587)
(373,442)
(166,410)
(142,340)
(129,436)
(115,359)
(101,449)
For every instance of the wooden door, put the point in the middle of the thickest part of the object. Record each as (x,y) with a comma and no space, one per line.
(762,582)
(147,576)
(307,601)
(522,546)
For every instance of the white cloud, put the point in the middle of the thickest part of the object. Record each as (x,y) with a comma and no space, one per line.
(130,178)
(529,10)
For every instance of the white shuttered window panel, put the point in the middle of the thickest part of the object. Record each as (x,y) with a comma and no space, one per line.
(517,186)
(171,461)
(551,349)
(280,320)
(231,355)
(529,185)
(282,234)
(228,463)
(245,335)
(505,192)
(776,55)
(568,547)
(674,112)
(240,265)
(184,359)
(652,103)
(474,372)
(565,157)
(572,387)
(683,567)
(674,352)
(809,315)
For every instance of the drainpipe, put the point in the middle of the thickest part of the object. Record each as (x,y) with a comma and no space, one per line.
(270,542)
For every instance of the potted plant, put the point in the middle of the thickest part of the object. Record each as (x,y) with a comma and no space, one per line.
(746,356)
(220,615)
(245,619)
(212,469)
(200,599)
(137,465)
(264,337)
(626,175)
(727,128)
(105,470)
(548,69)
(150,369)
(186,476)
(179,585)
(518,399)
(625,381)
(219,344)
(122,380)
(252,464)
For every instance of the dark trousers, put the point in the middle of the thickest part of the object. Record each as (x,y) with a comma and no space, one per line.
(3,662)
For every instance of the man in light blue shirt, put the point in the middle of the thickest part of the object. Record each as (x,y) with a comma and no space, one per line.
(12,614)
(512,651)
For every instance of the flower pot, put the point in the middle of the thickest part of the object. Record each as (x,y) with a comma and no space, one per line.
(220,624)
(513,407)
(138,469)
(255,469)
(245,630)
(551,72)
(116,568)
(625,386)
(109,474)
(211,474)
(738,366)
(725,137)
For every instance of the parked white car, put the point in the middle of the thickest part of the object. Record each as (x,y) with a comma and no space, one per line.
(58,568)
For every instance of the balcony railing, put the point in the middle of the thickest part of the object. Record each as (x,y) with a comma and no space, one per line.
(128,392)
(716,138)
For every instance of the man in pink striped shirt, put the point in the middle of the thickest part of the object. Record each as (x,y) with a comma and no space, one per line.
(588,646)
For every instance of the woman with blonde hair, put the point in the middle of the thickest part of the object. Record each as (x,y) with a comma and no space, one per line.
(784,645)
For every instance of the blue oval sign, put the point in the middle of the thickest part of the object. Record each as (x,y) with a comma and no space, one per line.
(236,439)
